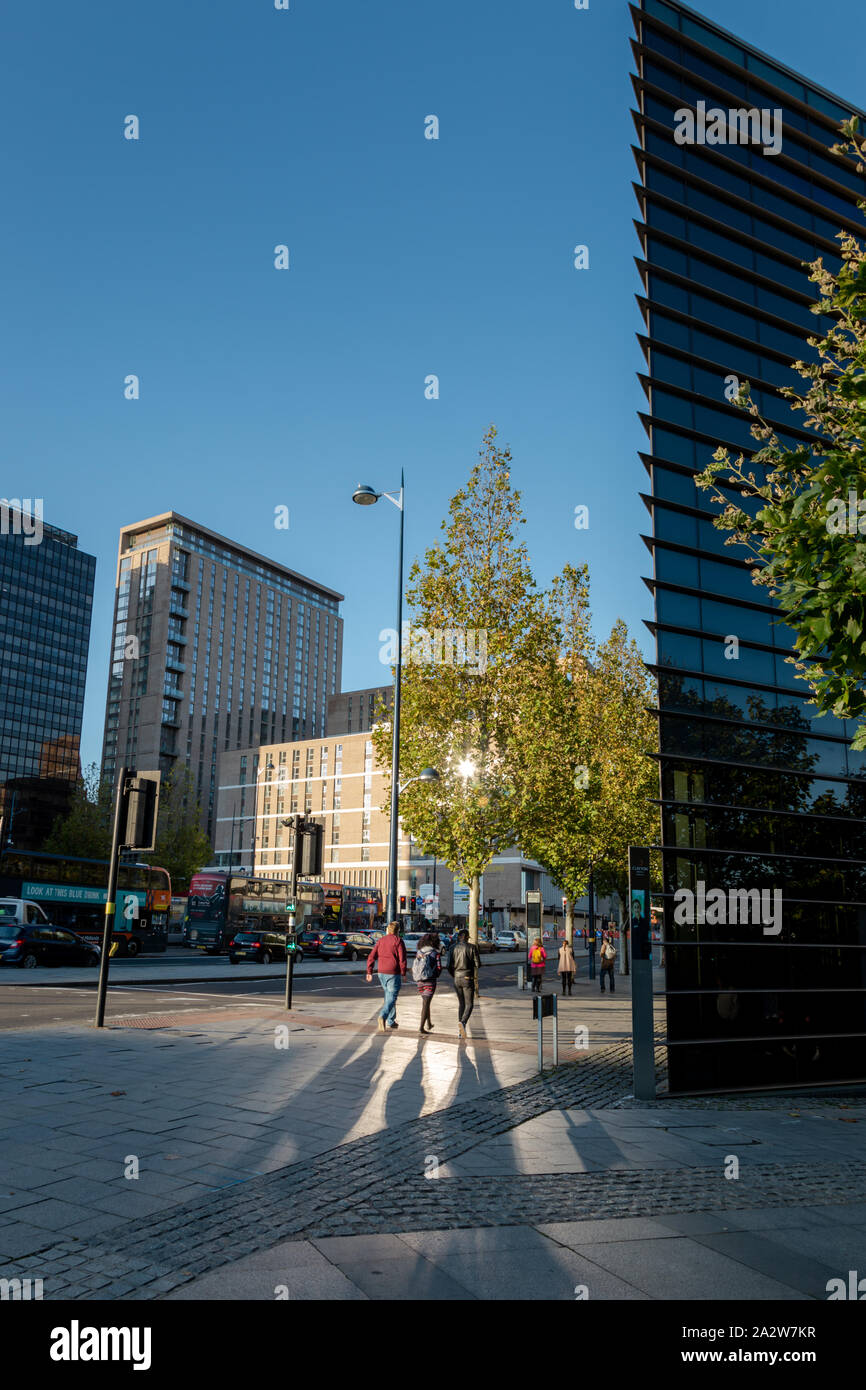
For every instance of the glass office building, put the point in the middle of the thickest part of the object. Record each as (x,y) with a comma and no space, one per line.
(46,584)
(755,793)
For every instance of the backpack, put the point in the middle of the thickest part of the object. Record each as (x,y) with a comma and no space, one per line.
(608,951)
(424,966)
(535,956)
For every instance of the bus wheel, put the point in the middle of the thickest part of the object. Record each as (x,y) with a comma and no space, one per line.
(132,948)
(266,957)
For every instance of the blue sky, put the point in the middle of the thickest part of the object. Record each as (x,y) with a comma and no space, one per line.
(409,256)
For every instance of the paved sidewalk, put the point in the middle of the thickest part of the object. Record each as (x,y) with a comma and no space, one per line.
(308,1155)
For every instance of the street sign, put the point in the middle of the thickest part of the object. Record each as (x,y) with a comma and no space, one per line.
(533,899)
(643,1041)
(548,1005)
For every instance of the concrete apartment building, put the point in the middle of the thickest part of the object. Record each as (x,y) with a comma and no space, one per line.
(336,780)
(354,711)
(215,648)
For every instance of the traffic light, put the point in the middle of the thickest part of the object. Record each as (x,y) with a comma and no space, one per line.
(402,902)
(142,810)
(414,901)
(311,848)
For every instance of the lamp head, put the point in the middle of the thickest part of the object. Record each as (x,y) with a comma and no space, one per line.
(365,496)
(428,774)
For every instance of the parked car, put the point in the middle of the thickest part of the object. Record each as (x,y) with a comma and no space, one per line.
(28,946)
(410,941)
(311,941)
(261,947)
(506,941)
(346,945)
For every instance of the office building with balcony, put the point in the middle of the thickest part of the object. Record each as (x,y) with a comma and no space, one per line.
(215,648)
(755,793)
(46,587)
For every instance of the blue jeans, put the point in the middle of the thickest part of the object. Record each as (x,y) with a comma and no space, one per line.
(391,985)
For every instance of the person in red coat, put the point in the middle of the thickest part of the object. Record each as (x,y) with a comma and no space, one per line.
(389,957)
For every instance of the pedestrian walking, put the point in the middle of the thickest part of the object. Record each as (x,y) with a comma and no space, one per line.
(389,957)
(426,969)
(537,958)
(608,961)
(464,962)
(566,966)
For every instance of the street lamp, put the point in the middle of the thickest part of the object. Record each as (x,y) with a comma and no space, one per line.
(427,774)
(366,496)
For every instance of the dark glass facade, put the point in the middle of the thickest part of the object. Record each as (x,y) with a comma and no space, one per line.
(755,793)
(46,588)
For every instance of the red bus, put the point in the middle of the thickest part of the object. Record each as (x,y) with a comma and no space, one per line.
(349,908)
(221,904)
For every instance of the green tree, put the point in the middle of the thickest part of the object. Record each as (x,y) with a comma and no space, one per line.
(586,780)
(478,627)
(797,516)
(84,830)
(182,847)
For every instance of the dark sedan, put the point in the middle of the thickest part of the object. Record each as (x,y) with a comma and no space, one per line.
(262,947)
(311,941)
(351,945)
(29,946)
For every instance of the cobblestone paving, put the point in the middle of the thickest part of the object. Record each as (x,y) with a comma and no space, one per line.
(148,1258)
(771,1102)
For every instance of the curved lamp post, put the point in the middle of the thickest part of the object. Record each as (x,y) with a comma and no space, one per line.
(366,496)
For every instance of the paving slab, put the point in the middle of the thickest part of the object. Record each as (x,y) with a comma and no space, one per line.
(687,1269)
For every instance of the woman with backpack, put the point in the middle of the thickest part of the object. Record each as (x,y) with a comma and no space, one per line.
(537,958)
(426,969)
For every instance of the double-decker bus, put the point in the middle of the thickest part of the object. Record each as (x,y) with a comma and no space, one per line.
(220,904)
(348,908)
(72,893)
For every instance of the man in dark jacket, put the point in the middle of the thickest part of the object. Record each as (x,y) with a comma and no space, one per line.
(464,962)
(389,956)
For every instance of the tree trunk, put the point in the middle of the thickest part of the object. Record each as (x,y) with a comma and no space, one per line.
(569,922)
(474,889)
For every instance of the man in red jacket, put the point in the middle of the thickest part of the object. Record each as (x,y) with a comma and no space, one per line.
(389,954)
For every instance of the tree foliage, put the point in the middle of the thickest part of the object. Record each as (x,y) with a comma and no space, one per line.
(545,747)
(586,780)
(457,715)
(84,832)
